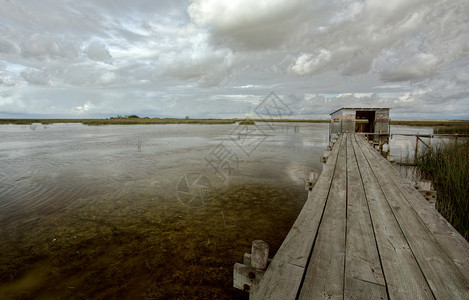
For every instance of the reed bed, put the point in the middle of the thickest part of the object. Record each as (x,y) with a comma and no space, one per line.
(452,130)
(247,122)
(430,123)
(447,164)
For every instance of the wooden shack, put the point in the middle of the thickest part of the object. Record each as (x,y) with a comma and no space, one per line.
(373,121)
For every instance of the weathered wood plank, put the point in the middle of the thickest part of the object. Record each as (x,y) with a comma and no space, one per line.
(449,238)
(324,276)
(442,275)
(283,283)
(359,290)
(283,277)
(363,273)
(402,273)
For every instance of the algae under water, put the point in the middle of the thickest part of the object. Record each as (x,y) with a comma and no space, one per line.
(96,212)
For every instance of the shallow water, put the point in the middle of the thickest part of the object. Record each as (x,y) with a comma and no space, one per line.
(151,211)
(148,211)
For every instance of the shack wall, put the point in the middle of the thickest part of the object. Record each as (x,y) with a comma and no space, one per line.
(344,120)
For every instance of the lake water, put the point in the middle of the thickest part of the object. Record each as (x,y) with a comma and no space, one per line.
(148,211)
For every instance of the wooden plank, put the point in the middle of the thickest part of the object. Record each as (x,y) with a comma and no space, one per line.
(443,277)
(325,271)
(363,273)
(283,283)
(449,238)
(403,276)
(283,277)
(358,289)
(297,245)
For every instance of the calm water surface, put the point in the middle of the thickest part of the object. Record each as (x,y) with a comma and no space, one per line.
(148,211)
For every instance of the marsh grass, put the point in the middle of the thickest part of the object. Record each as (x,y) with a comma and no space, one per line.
(447,164)
(429,123)
(247,122)
(452,130)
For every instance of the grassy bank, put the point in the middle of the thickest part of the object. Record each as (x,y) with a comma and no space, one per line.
(118,121)
(448,166)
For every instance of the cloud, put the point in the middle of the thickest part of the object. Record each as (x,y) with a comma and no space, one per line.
(87,106)
(308,63)
(98,52)
(245,24)
(420,66)
(215,57)
(9,47)
(401,40)
(207,67)
(37,77)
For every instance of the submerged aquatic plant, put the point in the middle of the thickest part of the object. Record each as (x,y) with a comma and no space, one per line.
(133,245)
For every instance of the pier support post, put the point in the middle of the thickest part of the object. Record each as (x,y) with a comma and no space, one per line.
(246,276)
(259,254)
(425,189)
(416,147)
(325,156)
(311,181)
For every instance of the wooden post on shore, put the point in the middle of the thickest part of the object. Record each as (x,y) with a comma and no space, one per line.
(416,147)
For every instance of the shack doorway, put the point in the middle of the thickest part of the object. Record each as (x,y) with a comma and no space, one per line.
(364,121)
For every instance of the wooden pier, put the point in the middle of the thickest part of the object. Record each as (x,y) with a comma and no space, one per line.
(365,233)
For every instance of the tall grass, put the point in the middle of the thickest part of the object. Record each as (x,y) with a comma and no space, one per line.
(448,166)
(452,129)
(429,123)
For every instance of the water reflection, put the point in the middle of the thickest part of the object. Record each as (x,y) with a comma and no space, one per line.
(95,210)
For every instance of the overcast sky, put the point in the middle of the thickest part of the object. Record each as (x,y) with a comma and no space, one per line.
(220,58)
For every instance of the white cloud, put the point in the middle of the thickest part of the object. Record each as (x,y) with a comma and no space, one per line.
(87,106)
(308,63)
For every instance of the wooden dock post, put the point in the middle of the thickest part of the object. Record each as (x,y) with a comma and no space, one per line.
(246,276)
(416,147)
(259,254)
(325,156)
(425,189)
(311,181)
